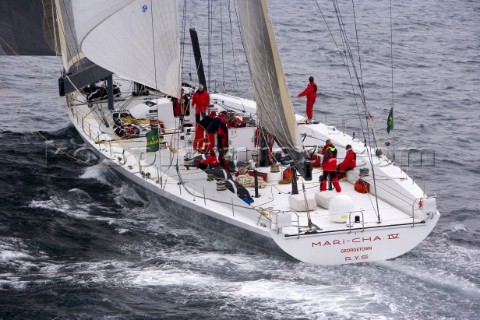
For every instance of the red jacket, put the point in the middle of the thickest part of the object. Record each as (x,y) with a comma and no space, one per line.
(329,162)
(177,107)
(201,100)
(310,91)
(223,131)
(349,162)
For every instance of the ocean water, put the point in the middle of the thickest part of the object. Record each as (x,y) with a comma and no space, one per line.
(77,242)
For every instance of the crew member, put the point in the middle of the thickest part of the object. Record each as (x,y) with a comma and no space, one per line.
(213,128)
(316,161)
(198,141)
(328,142)
(311,93)
(348,163)
(223,133)
(236,122)
(329,166)
(179,109)
(200,101)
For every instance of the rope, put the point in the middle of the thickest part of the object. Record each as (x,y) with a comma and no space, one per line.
(248,181)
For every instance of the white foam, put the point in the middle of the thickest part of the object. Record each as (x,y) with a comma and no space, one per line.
(63,206)
(8,280)
(96,172)
(309,300)
(8,255)
(458,227)
(161,277)
(435,276)
(126,193)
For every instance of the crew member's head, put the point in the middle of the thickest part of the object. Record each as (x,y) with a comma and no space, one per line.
(310,79)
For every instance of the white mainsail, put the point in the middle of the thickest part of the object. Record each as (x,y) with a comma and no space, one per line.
(275,109)
(138,40)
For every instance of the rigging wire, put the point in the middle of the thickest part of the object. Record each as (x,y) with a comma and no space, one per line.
(221,37)
(345,63)
(351,67)
(231,40)
(244,70)
(362,87)
(56,41)
(153,46)
(391,64)
(184,23)
(209,40)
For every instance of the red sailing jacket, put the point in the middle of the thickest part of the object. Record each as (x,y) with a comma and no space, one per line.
(310,91)
(330,159)
(223,131)
(349,162)
(201,100)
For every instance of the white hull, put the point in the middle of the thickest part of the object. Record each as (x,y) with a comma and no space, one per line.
(359,245)
(334,243)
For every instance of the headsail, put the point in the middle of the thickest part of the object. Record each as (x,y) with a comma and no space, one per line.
(138,40)
(78,70)
(275,109)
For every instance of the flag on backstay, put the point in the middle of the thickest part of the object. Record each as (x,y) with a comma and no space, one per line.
(390,121)
(152,141)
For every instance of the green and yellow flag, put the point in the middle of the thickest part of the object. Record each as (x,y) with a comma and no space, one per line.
(152,141)
(390,121)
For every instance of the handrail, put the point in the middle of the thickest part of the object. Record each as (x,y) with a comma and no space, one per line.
(298,221)
(343,230)
(350,220)
(83,127)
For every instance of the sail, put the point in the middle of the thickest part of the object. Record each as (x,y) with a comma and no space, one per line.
(274,106)
(78,70)
(27,28)
(138,40)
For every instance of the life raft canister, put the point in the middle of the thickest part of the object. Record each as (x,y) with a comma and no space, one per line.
(362,186)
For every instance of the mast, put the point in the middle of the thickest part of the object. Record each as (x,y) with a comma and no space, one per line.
(198,57)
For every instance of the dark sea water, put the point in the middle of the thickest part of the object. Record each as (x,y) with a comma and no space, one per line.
(77,242)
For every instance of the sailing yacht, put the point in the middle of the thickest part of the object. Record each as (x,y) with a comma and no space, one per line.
(122,83)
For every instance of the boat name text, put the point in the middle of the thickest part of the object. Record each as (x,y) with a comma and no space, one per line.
(325,243)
